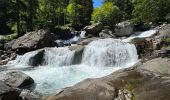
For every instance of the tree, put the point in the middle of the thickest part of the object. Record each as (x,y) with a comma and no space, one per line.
(147,11)
(125,6)
(108,14)
(7,15)
(79,12)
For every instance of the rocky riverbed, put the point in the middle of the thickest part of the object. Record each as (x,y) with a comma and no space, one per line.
(149,79)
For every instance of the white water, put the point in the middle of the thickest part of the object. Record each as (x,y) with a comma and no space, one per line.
(141,35)
(100,58)
(75,38)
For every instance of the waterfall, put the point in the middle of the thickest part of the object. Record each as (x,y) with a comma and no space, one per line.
(141,35)
(99,58)
(110,52)
(53,57)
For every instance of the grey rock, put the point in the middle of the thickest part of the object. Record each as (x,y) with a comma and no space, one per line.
(94,29)
(38,59)
(158,65)
(78,53)
(8,93)
(106,33)
(123,29)
(28,95)
(86,41)
(31,41)
(17,79)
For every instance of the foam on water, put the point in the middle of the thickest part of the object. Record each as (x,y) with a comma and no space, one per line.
(141,35)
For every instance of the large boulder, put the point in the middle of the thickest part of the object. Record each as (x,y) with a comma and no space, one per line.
(31,41)
(8,93)
(38,59)
(93,29)
(124,29)
(17,79)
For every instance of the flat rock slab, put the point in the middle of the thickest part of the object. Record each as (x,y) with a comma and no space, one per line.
(158,65)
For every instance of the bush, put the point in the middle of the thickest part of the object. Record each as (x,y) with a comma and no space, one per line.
(109,14)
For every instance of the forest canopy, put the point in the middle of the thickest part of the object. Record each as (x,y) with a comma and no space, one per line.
(21,16)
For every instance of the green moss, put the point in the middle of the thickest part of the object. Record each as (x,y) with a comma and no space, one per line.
(131,85)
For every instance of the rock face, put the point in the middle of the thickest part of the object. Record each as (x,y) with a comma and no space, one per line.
(123,29)
(38,59)
(8,93)
(94,29)
(17,79)
(31,41)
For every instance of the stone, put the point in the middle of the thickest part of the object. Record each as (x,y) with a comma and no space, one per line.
(59,43)
(93,29)
(16,79)
(123,29)
(86,41)
(28,95)
(158,65)
(31,41)
(8,93)
(38,59)
(78,53)
(106,33)
(87,90)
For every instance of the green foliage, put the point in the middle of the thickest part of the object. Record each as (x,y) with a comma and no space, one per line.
(125,6)
(108,14)
(146,11)
(79,12)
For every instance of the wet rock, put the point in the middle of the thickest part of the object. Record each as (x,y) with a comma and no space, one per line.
(78,53)
(123,29)
(16,79)
(8,93)
(86,41)
(38,59)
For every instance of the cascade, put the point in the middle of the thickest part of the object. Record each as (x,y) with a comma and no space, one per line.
(144,34)
(110,52)
(99,58)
